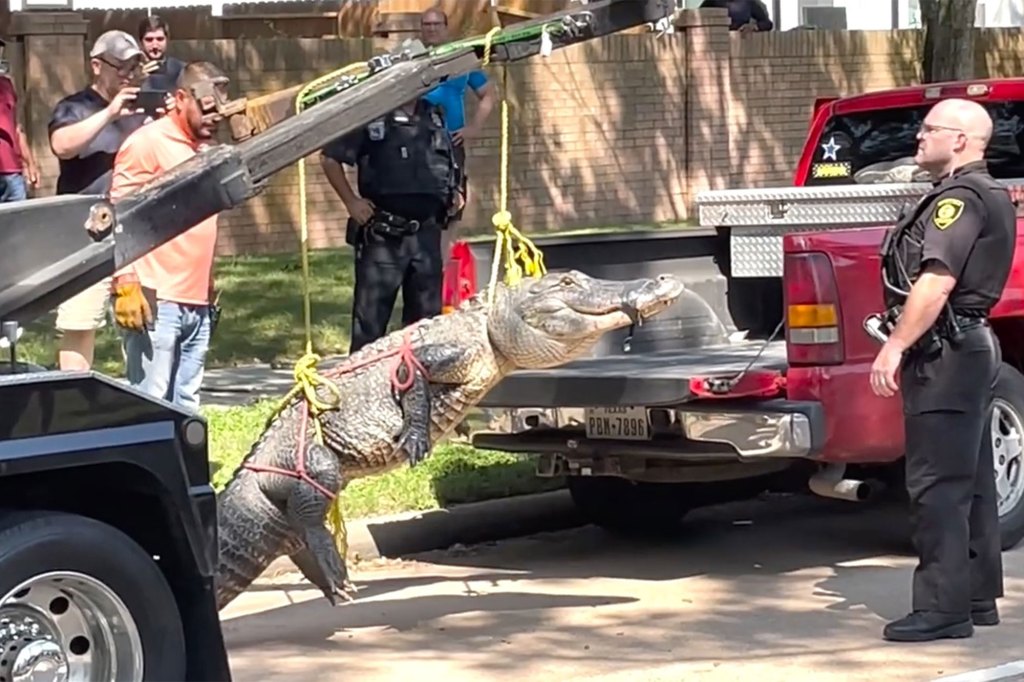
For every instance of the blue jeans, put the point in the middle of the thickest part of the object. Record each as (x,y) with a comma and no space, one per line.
(167,361)
(12,187)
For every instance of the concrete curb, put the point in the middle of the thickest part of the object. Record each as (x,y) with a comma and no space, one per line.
(412,532)
(1012,671)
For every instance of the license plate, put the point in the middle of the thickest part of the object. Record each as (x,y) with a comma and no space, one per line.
(625,423)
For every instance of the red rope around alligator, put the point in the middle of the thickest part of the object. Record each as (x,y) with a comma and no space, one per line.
(406,358)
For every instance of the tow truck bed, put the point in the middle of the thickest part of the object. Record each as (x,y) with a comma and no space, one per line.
(648,379)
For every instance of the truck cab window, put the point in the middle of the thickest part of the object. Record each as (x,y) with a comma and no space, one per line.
(878,146)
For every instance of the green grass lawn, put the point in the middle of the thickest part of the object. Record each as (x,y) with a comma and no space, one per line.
(454,473)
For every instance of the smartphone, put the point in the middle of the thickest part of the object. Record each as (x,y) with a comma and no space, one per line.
(875,328)
(149,101)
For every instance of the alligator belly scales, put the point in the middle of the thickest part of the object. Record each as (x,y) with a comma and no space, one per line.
(399,396)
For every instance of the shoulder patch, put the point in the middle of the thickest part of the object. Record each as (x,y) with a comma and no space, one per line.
(947,212)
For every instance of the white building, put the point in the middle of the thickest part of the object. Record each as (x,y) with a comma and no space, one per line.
(874,15)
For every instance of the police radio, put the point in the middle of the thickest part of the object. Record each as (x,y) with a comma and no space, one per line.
(877,328)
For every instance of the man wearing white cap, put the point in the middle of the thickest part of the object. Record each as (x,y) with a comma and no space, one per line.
(86,130)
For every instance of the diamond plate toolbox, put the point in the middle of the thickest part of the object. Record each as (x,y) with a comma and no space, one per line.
(758,219)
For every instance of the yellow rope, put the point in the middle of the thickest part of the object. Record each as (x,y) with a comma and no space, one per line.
(307,379)
(530,257)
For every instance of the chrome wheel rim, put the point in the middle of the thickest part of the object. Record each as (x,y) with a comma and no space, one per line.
(67,627)
(1007,455)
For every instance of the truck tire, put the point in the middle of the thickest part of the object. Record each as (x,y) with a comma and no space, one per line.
(1007,429)
(81,595)
(624,507)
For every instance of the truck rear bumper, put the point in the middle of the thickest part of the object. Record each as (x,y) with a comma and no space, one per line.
(713,431)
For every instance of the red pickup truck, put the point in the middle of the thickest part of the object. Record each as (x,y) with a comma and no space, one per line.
(757,379)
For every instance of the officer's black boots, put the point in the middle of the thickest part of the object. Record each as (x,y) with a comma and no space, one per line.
(925,626)
(984,612)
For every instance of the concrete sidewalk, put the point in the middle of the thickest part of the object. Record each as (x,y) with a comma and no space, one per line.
(782,589)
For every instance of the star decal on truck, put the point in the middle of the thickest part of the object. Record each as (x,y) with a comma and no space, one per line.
(831,148)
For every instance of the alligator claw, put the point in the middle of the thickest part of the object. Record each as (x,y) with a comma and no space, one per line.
(321,565)
(416,444)
(414,438)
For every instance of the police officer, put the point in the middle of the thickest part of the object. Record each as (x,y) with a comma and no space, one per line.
(408,183)
(944,266)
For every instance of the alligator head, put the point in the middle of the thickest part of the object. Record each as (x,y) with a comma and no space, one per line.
(548,321)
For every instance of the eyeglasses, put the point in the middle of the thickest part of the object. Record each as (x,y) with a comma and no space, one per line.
(125,69)
(927,128)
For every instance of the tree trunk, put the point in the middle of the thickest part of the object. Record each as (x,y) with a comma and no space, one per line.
(948,40)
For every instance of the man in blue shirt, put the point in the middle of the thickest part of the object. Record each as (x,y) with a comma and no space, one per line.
(451,95)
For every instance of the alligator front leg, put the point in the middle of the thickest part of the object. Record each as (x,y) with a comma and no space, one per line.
(320,562)
(440,360)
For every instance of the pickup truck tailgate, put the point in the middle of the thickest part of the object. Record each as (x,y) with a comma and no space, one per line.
(648,379)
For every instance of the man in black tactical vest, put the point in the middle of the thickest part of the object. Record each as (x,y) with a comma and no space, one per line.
(944,266)
(408,183)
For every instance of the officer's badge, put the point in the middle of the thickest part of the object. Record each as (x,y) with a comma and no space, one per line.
(376,130)
(947,212)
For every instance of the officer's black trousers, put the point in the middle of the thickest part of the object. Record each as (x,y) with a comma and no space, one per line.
(950,477)
(383,266)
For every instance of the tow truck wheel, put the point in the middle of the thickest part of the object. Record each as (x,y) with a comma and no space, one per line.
(1007,429)
(82,601)
(624,507)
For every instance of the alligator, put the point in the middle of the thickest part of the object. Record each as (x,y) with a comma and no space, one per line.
(399,396)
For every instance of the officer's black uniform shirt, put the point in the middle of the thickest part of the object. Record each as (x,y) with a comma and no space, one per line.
(91,170)
(973,237)
(403,196)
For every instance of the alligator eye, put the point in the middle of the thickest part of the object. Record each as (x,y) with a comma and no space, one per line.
(568,282)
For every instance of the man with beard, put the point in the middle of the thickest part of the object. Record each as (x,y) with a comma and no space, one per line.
(162,301)
(154,34)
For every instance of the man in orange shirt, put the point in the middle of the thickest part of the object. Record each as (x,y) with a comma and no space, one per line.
(162,300)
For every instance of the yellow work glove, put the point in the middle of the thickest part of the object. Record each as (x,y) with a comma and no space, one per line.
(131,310)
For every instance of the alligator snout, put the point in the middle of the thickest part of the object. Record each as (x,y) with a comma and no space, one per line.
(647,297)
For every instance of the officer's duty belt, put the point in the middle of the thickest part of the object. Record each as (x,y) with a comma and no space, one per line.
(387,224)
(969,321)
(949,325)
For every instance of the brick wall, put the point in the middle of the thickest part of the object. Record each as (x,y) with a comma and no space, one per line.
(616,131)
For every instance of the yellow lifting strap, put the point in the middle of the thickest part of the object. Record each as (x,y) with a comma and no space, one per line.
(520,255)
(307,379)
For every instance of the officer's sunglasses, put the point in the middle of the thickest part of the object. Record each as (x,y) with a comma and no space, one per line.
(927,128)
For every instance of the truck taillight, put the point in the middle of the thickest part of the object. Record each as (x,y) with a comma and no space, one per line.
(813,316)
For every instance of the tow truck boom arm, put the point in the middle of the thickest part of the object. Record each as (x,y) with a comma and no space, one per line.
(49,255)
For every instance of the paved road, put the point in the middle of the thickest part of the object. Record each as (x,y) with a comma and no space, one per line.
(783,589)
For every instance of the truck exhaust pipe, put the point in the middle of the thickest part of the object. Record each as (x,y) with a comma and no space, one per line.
(829,482)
